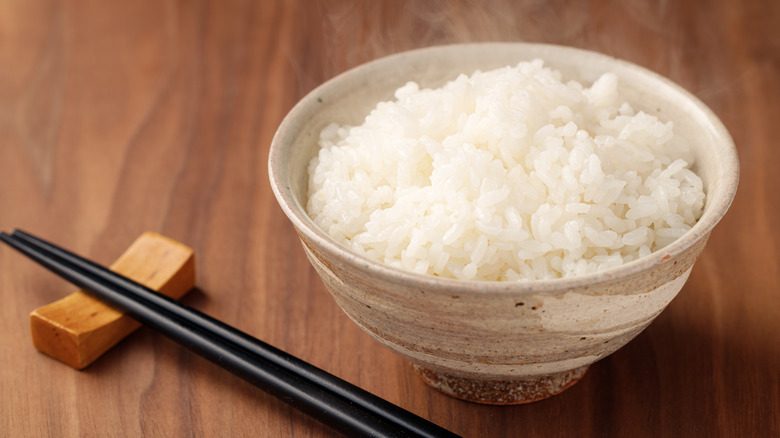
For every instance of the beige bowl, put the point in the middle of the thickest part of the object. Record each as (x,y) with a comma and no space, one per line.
(499,342)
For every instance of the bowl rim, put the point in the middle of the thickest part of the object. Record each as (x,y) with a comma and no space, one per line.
(715,208)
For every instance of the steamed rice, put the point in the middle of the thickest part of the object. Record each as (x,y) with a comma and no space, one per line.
(505,175)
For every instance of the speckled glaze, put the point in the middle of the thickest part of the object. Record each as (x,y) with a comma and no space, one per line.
(499,342)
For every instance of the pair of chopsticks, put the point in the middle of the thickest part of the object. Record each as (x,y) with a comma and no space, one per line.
(327,398)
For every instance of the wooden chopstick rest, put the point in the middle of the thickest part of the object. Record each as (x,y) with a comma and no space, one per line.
(78,329)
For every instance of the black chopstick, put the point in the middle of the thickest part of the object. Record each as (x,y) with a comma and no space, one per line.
(327,398)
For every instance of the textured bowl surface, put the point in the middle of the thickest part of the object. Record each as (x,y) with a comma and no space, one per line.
(499,342)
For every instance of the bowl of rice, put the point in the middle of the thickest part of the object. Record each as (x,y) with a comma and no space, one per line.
(502,215)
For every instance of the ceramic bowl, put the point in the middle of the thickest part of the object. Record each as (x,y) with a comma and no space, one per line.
(499,342)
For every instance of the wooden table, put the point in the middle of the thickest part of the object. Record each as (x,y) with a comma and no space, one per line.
(121,117)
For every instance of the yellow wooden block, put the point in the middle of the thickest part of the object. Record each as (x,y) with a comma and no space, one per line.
(78,328)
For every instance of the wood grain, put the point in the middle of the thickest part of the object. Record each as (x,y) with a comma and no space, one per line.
(121,117)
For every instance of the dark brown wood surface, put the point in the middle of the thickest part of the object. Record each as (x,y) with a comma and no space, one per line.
(126,116)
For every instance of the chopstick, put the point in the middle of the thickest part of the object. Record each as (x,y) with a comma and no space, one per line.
(327,398)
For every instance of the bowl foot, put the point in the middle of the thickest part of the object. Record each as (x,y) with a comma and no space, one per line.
(501,392)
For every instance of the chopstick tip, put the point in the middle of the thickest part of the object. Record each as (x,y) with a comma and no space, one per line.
(7,238)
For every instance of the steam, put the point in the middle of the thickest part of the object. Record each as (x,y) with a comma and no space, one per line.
(656,34)
(359,31)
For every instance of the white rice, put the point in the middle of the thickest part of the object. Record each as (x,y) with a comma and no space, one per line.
(505,175)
